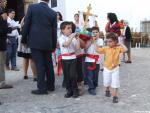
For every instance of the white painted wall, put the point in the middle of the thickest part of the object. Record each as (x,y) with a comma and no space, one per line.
(61,7)
(131,10)
(101,8)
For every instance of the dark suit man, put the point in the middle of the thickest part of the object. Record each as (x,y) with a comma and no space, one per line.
(41,29)
(128,37)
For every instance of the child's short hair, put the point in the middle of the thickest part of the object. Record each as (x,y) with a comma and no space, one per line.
(64,24)
(95,28)
(76,15)
(112,36)
(10,11)
(73,27)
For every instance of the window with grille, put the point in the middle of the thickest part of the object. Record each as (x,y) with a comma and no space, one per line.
(53,3)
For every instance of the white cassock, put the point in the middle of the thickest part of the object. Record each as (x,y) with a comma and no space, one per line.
(91,21)
(81,21)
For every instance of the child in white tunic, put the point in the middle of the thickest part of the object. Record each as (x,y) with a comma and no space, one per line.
(68,46)
(92,61)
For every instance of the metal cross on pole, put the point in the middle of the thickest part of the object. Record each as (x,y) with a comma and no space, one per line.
(88,14)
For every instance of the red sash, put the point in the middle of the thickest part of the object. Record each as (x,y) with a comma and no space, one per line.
(84,37)
(59,68)
(95,57)
(80,55)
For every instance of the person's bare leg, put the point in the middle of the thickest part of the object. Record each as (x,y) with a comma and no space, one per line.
(124,57)
(129,56)
(115,95)
(107,92)
(34,71)
(25,67)
(114,92)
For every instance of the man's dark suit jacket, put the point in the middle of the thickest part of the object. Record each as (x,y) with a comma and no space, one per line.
(128,34)
(40,27)
(4,29)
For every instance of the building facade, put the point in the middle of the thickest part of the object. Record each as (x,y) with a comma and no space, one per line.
(145,27)
(57,5)
(27,2)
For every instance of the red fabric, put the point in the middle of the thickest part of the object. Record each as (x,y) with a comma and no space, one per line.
(107,28)
(84,37)
(81,55)
(95,57)
(59,68)
(121,25)
(115,28)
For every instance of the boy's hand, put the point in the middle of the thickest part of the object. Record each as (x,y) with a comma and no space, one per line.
(96,48)
(77,36)
(118,44)
(73,35)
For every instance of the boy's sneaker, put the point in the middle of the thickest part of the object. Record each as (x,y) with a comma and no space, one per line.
(115,99)
(64,84)
(95,85)
(7,68)
(34,79)
(108,94)
(68,94)
(92,91)
(26,77)
(102,70)
(5,86)
(15,69)
(75,94)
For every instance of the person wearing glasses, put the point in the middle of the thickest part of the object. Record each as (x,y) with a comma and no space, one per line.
(12,41)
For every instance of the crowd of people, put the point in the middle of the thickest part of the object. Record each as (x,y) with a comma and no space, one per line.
(47,41)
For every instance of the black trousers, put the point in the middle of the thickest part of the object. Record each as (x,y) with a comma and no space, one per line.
(45,70)
(80,76)
(70,75)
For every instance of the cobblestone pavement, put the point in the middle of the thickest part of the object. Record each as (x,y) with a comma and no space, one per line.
(134,93)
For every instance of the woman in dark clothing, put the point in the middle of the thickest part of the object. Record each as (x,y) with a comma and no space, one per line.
(25,53)
(113,24)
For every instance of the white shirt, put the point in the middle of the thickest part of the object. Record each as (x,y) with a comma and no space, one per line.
(66,50)
(79,25)
(124,32)
(13,23)
(91,50)
(58,29)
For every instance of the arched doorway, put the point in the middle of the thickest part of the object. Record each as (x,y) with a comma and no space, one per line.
(18,6)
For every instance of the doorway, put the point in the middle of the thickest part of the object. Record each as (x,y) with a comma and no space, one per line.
(18,6)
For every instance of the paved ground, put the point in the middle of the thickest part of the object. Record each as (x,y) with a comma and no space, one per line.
(134,93)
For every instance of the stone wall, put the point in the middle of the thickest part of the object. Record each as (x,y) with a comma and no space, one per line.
(27,2)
